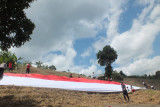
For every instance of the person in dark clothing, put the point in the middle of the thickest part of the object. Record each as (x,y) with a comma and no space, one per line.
(3,66)
(145,85)
(28,68)
(94,77)
(125,93)
(70,76)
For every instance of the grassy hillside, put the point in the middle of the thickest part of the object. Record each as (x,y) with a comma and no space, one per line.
(43,97)
(139,82)
(133,81)
(22,70)
(14,96)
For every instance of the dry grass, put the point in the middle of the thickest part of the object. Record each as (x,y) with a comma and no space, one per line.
(13,96)
(43,97)
(139,81)
(22,70)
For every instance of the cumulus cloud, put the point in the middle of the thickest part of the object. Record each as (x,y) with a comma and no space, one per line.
(87,52)
(135,44)
(63,61)
(59,23)
(90,70)
(142,66)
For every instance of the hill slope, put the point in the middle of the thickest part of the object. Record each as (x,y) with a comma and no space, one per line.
(22,70)
(29,96)
(44,97)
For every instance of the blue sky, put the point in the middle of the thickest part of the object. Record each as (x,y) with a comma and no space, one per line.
(69,33)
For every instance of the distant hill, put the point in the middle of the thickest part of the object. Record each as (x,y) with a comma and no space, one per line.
(139,82)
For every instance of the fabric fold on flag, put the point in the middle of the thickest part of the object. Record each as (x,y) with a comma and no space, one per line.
(62,82)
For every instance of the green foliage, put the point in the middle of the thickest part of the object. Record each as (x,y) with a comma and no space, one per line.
(20,58)
(15,27)
(101,78)
(108,71)
(26,62)
(144,77)
(157,74)
(122,74)
(105,58)
(52,67)
(45,67)
(117,76)
(39,64)
(6,56)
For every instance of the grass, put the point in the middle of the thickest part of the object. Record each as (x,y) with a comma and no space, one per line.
(139,81)
(43,97)
(14,96)
(22,70)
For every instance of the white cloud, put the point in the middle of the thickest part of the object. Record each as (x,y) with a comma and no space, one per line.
(144,2)
(135,44)
(56,25)
(111,25)
(142,66)
(90,70)
(59,23)
(63,61)
(155,13)
(86,53)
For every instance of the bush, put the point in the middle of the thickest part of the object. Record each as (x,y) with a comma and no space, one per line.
(101,78)
(8,57)
(116,76)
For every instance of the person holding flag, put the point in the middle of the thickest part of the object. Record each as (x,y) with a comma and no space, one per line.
(3,66)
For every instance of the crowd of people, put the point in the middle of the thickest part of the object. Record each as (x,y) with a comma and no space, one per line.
(4,66)
(125,89)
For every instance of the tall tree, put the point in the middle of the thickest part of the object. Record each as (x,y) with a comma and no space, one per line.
(105,58)
(108,71)
(15,27)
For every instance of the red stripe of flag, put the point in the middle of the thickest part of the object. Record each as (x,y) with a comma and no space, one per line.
(62,78)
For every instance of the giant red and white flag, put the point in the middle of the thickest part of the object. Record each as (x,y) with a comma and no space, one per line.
(62,82)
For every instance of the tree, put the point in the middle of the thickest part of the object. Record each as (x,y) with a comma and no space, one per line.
(157,74)
(39,64)
(122,74)
(44,66)
(27,62)
(105,58)
(108,71)
(52,67)
(6,56)
(15,27)
(117,76)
